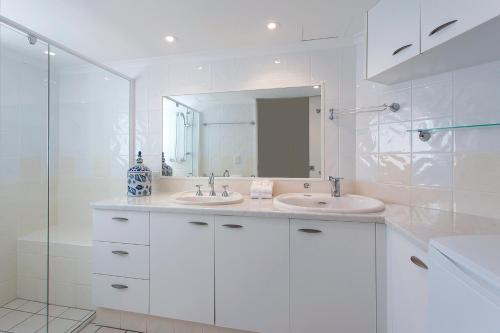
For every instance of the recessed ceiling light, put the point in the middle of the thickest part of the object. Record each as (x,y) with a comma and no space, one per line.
(272,25)
(49,53)
(316,87)
(170,39)
(200,68)
(277,61)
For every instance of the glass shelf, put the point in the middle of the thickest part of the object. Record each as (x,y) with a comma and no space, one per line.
(426,133)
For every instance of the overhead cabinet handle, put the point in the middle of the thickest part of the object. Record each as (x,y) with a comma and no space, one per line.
(417,261)
(119,286)
(121,219)
(233,226)
(310,231)
(121,253)
(442,26)
(401,49)
(198,223)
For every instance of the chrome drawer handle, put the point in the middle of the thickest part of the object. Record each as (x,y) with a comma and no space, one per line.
(442,26)
(233,226)
(120,219)
(310,231)
(121,253)
(119,286)
(198,223)
(417,261)
(401,49)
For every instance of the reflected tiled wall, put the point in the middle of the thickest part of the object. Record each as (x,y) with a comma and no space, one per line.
(456,169)
(242,71)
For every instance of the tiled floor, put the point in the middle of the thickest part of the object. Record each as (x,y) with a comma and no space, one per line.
(24,316)
(93,328)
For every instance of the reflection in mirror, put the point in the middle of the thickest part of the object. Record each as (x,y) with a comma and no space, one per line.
(257,133)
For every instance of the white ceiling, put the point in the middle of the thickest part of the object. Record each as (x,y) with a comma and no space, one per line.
(112,30)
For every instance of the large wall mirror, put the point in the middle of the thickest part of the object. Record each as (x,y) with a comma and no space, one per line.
(274,133)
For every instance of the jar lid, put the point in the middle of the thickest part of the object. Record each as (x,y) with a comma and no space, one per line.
(139,167)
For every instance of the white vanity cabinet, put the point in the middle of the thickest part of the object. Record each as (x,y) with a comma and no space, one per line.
(260,274)
(407,285)
(332,277)
(182,267)
(252,273)
(445,19)
(392,39)
(120,265)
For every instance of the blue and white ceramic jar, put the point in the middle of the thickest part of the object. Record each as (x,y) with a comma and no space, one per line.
(139,179)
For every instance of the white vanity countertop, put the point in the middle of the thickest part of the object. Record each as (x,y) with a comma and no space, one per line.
(419,224)
(161,202)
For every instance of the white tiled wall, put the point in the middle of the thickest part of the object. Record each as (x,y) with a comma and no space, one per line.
(456,169)
(173,76)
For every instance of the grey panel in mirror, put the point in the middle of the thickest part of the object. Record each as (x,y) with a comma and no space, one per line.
(255,133)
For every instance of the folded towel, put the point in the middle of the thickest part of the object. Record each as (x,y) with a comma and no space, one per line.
(261,189)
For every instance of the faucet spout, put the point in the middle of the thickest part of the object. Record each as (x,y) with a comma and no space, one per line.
(335,186)
(211,182)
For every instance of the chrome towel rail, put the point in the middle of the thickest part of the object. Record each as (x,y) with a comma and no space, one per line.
(394,107)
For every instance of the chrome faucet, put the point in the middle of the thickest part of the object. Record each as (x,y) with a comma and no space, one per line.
(335,184)
(211,183)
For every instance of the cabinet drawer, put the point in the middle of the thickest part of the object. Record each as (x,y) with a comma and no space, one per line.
(120,293)
(121,259)
(121,226)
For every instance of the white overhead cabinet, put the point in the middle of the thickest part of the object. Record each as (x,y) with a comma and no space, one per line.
(416,38)
(252,274)
(182,267)
(393,34)
(332,277)
(445,19)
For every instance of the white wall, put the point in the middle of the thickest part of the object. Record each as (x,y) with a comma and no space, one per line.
(241,71)
(455,170)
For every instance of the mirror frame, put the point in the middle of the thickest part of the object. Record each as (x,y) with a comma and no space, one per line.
(322,148)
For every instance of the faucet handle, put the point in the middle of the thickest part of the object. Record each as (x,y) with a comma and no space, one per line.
(225,193)
(199,193)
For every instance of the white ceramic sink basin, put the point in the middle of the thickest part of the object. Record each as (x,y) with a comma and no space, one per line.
(190,198)
(324,202)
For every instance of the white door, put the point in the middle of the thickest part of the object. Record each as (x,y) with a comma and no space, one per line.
(445,19)
(252,274)
(332,277)
(407,285)
(182,267)
(393,34)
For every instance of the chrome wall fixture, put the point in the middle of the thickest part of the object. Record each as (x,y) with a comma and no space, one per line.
(393,107)
(425,134)
(232,123)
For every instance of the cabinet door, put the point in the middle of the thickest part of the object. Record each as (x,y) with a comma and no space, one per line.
(407,285)
(182,267)
(393,34)
(332,277)
(445,19)
(252,274)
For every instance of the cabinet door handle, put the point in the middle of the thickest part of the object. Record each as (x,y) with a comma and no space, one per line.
(417,261)
(119,286)
(401,49)
(121,253)
(310,231)
(198,223)
(442,26)
(120,219)
(233,226)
